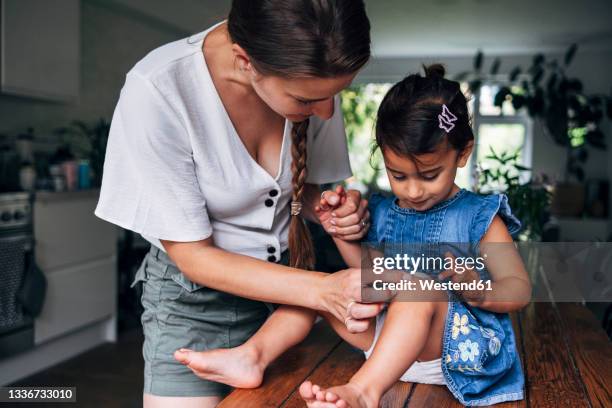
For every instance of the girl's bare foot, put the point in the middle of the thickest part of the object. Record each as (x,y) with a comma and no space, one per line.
(349,395)
(314,396)
(238,367)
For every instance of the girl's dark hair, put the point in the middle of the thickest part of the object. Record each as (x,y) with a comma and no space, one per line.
(301,38)
(408,122)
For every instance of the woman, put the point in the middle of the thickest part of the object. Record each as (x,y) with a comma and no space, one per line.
(216,147)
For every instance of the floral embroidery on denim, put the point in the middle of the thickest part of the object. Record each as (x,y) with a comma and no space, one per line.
(469,350)
(494,345)
(460,325)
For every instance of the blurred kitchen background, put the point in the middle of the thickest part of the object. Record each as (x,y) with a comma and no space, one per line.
(539,76)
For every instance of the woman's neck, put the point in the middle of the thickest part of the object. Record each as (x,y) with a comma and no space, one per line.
(219,56)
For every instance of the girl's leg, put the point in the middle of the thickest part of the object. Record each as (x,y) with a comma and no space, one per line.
(362,340)
(154,401)
(412,331)
(243,366)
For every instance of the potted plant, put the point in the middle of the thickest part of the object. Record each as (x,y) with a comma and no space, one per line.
(530,201)
(88,141)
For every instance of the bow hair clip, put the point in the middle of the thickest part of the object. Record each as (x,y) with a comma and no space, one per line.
(446,119)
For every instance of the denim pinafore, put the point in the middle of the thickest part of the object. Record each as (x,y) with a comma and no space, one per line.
(480,362)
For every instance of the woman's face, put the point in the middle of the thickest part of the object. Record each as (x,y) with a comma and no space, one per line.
(429,179)
(296,99)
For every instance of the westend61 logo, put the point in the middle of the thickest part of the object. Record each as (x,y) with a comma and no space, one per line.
(412,264)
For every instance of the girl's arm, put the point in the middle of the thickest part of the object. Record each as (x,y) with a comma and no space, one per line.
(350,251)
(511,288)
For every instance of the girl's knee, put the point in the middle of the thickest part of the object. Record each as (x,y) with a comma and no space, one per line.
(438,305)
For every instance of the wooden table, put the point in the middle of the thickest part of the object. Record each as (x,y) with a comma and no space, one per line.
(567,359)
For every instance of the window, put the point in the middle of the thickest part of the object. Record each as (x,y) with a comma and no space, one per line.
(504,133)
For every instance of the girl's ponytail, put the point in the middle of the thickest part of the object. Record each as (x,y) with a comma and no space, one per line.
(434,71)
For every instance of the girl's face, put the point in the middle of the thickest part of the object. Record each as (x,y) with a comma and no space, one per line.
(421,183)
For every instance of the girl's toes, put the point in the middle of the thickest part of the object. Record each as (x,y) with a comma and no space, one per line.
(342,404)
(306,390)
(331,397)
(315,388)
(321,396)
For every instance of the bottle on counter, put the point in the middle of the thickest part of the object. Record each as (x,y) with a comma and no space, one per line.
(27,176)
(70,169)
(84,175)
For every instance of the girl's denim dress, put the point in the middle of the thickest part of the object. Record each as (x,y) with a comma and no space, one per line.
(480,362)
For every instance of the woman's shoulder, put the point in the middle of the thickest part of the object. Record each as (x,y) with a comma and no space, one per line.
(164,58)
(168,57)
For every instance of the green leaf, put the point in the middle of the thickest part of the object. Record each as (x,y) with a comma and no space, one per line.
(537,76)
(539,59)
(570,53)
(478,61)
(516,71)
(495,66)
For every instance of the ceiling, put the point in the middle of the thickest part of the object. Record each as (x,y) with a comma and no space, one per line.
(405,28)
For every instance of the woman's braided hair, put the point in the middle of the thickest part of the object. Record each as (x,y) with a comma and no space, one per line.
(301,250)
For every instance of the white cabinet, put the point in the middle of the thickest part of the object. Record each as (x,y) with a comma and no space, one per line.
(76,297)
(40,48)
(77,253)
(68,233)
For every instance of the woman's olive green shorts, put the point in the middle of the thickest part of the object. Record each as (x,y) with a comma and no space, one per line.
(179,313)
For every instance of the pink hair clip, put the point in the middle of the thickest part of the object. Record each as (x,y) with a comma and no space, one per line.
(446,119)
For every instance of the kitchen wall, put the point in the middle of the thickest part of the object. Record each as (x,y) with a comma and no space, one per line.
(113,38)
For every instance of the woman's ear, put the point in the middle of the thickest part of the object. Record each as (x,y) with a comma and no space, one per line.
(243,61)
(465,154)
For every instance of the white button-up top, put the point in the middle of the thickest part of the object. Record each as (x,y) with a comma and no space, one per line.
(177,170)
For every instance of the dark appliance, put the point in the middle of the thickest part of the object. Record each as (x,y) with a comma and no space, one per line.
(16,264)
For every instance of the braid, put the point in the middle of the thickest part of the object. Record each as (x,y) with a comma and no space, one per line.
(301,249)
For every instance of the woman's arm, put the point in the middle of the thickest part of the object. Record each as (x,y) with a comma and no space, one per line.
(205,264)
(244,276)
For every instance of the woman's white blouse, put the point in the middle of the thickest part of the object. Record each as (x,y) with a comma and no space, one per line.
(176,169)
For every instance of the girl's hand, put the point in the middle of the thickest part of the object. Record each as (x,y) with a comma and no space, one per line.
(341,296)
(472,297)
(343,214)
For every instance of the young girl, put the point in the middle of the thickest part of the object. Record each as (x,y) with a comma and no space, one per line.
(462,339)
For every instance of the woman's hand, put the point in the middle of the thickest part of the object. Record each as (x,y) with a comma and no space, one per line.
(343,214)
(342,295)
